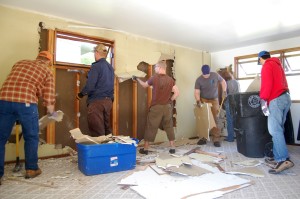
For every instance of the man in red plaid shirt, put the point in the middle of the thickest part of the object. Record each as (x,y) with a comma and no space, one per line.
(27,82)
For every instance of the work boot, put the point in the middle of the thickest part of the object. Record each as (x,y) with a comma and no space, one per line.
(281,166)
(32,173)
(143,151)
(202,141)
(217,144)
(172,151)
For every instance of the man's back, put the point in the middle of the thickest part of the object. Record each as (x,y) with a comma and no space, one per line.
(28,80)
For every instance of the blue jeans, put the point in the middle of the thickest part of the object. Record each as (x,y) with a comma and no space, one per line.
(230,130)
(27,114)
(279,108)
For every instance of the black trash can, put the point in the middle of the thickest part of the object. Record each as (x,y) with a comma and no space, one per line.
(250,124)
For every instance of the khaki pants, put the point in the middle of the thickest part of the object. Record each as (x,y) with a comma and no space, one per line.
(215,132)
(159,115)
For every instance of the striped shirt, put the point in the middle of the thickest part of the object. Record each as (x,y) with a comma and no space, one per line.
(27,82)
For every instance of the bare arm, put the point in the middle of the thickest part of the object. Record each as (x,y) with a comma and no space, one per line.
(175,91)
(197,95)
(142,83)
(224,85)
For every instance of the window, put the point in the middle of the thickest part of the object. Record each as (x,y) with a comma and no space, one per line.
(78,50)
(247,68)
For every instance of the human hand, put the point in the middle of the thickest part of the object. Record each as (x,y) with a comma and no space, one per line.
(199,103)
(264,107)
(134,78)
(79,96)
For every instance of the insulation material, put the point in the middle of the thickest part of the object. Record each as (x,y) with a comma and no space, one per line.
(204,120)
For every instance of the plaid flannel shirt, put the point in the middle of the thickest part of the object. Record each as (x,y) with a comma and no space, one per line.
(27,82)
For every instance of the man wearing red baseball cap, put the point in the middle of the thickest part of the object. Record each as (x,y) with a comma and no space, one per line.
(28,81)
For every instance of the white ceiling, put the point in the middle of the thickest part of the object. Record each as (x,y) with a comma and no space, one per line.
(209,25)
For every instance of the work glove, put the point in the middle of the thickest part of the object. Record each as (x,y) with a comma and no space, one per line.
(134,78)
(79,96)
(264,107)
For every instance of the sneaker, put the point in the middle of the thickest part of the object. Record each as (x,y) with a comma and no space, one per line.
(281,166)
(270,162)
(0,180)
(172,151)
(143,151)
(202,141)
(32,173)
(217,144)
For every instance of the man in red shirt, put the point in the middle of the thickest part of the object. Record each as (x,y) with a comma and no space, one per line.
(164,92)
(275,103)
(27,82)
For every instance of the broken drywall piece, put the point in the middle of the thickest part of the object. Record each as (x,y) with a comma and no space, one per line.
(251,171)
(47,119)
(158,170)
(208,166)
(205,158)
(44,121)
(80,138)
(204,120)
(180,142)
(178,186)
(254,85)
(150,158)
(165,160)
(124,140)
(188,170)
(123,76)
(248,163)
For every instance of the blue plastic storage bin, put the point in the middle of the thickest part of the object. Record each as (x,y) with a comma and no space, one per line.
(96,159)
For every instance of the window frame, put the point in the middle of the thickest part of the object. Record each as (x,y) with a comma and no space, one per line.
(82,38)
(282,57)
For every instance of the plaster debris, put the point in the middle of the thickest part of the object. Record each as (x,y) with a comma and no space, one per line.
(165,160)
(248,163)
(251,171)
(205,158)
(179,186)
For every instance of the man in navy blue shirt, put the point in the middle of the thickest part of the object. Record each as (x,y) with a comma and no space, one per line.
(100,91)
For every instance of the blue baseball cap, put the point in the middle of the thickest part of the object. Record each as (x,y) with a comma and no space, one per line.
(205,69)
(261,54)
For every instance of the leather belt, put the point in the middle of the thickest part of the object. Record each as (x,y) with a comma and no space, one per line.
(285,92)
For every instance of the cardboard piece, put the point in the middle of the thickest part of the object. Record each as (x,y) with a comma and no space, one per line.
(204,120)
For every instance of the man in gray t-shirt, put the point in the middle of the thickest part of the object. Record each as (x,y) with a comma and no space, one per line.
(206,91)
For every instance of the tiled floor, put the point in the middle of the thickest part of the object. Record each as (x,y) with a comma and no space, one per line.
(62,179)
